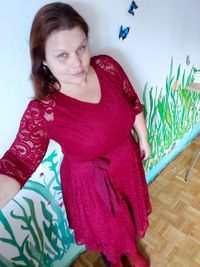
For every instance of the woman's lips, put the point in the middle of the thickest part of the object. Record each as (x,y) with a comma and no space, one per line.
(78,74)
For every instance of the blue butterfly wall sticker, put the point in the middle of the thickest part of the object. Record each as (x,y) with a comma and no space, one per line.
(132,7)
(188,60)
(123,32)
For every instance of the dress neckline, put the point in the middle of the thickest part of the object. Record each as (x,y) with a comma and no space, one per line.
(75,100)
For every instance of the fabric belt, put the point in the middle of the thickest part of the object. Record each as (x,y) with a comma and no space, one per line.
(103,184)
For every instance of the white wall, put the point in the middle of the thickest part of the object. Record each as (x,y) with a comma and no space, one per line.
(159,30)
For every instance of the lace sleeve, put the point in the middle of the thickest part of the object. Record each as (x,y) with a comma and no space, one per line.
(29,146)
(112,66)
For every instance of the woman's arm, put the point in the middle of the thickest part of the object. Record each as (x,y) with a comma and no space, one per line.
(25,154)
(141,130)
(9,188)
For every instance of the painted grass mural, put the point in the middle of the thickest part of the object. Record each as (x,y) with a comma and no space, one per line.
(46,239)
(170,113)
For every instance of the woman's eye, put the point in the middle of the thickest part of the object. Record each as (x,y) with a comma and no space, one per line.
(81,48)
(63,55)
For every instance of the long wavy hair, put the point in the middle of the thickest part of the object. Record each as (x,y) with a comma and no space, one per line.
(51,17)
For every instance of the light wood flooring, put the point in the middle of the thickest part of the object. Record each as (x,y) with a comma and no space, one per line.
(173,238)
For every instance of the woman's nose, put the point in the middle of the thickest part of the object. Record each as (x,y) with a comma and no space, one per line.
(76,61)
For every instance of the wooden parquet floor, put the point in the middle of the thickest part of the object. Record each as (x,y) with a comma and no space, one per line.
(173,238)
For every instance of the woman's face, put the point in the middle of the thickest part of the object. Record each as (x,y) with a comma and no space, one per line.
(67,56)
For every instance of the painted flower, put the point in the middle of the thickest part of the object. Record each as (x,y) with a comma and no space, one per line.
(175,85)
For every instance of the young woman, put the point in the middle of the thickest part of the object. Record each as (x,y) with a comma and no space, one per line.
(89,107)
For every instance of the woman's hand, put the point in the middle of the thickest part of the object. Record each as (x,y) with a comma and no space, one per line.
(9,187)
(144,148)
(141,130)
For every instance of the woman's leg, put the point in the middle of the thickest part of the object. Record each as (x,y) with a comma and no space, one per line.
(137,259)
(110,264)
(107,262)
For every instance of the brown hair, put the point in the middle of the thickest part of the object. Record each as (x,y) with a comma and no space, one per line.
(51,17)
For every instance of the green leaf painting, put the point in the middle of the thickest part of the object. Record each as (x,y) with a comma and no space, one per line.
(170,113)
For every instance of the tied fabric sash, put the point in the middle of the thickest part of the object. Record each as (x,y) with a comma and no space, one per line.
(103,184)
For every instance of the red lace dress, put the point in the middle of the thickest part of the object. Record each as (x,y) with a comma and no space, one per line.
(103,183)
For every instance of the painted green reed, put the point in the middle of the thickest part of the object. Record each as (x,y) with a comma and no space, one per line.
(170,112)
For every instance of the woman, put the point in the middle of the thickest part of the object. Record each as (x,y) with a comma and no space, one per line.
(89,107)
